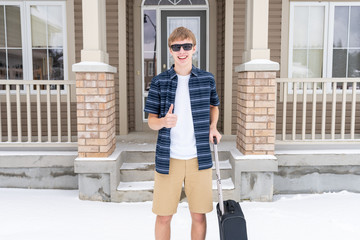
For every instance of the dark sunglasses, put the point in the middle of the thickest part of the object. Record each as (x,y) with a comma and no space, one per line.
(185,46)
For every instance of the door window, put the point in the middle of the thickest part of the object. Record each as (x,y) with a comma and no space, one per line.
(192,23)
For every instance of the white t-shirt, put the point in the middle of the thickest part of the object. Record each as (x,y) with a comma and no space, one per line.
(183,143)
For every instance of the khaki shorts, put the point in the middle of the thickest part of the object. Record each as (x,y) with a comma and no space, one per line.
(197,185)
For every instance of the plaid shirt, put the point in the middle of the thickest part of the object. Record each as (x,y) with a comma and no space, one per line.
(202,90)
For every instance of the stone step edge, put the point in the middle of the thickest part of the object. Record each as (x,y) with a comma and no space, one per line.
(224,165)
(227,184)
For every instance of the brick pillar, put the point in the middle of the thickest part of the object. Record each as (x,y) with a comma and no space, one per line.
(95,93)
(256,113)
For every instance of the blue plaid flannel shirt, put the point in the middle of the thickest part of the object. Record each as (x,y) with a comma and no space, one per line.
(202,90)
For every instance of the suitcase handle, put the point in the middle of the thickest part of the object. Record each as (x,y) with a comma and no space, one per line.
(218,178)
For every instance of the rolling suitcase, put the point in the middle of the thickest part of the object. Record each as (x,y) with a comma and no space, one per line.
(232,224)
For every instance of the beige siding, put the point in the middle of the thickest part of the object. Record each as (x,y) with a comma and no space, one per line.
(78,30)
(299,114)
(274,37)
(34,122)
(220,59)
(130,64)
(238,45)
(113,47)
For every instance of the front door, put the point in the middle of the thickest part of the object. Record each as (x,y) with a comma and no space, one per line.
(193,20)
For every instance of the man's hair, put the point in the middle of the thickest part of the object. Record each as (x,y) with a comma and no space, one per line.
(181,33)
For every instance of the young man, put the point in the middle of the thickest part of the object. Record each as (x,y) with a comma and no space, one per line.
(182,105)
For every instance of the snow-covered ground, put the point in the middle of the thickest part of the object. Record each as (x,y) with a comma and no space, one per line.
(59,214)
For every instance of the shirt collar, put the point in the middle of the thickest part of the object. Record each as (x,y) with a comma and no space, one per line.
(172,73)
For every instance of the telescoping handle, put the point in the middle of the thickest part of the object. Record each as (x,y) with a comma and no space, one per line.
(218,178)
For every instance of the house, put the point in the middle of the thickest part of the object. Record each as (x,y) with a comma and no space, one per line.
(75,75)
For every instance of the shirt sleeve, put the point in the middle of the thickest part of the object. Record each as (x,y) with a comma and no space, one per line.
(152,104)
(214,98)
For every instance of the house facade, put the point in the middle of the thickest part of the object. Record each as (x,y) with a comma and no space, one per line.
(75,74)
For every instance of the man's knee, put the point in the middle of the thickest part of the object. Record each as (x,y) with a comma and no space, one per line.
(164,220)
(198,217)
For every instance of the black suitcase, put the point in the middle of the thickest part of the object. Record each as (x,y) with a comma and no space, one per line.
(232,224)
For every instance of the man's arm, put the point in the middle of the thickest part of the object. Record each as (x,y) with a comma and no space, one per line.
(214,117)
(169,121)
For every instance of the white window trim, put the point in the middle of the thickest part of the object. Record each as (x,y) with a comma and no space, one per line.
(28,37)
(291,32)
(27,40)
(328,40)
(331,32)
(23,42)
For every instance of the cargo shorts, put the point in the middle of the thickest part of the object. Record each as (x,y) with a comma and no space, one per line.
(197,185)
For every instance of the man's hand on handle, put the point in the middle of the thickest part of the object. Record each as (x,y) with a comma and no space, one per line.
(214,133)
(170,119)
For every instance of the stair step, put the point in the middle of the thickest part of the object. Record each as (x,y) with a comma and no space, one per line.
(143,191)
(149,156)
(132,172)
(151,166)
(226,184)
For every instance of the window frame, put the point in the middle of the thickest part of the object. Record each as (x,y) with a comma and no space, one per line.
(332,6)
(23,42)
(291,32)
(28,4)
(327,45)
(26,35)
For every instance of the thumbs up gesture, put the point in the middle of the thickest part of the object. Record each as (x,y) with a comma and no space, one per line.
(170,119)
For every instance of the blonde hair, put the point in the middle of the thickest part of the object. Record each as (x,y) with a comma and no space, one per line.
(181,33)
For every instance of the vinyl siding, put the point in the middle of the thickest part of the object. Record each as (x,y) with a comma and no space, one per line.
(220,59)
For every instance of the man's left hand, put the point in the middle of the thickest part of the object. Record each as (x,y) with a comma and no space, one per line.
(214,133)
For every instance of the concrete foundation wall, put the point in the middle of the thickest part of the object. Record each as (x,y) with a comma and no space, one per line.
(42,178)
(95,186)
(43,170)
(316,179)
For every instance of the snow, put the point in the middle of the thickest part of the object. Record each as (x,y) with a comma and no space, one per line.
(59,214)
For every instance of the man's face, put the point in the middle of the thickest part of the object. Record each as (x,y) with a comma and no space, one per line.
(182,57)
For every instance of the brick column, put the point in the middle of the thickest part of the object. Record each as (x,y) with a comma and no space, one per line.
(256,113)
(95,93)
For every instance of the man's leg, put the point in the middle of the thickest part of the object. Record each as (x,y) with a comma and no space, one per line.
(198,226)
(162,227)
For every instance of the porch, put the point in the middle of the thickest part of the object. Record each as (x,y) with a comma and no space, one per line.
(316,157)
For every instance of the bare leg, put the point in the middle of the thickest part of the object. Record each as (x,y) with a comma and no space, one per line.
(198,227)
(162,227)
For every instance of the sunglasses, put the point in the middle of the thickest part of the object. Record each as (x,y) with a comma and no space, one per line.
(185,46)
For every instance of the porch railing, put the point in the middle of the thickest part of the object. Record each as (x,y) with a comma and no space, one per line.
(325,111)
(37,111)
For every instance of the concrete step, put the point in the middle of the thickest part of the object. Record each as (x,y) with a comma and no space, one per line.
(130,172)
(143,191)
(139,156)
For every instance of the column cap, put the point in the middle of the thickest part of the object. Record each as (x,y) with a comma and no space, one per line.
(258,65)
(88,66)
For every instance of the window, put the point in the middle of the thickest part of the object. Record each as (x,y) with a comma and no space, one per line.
(11,47)
(33,40)
(47,42)
(346,42)
(324,40)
